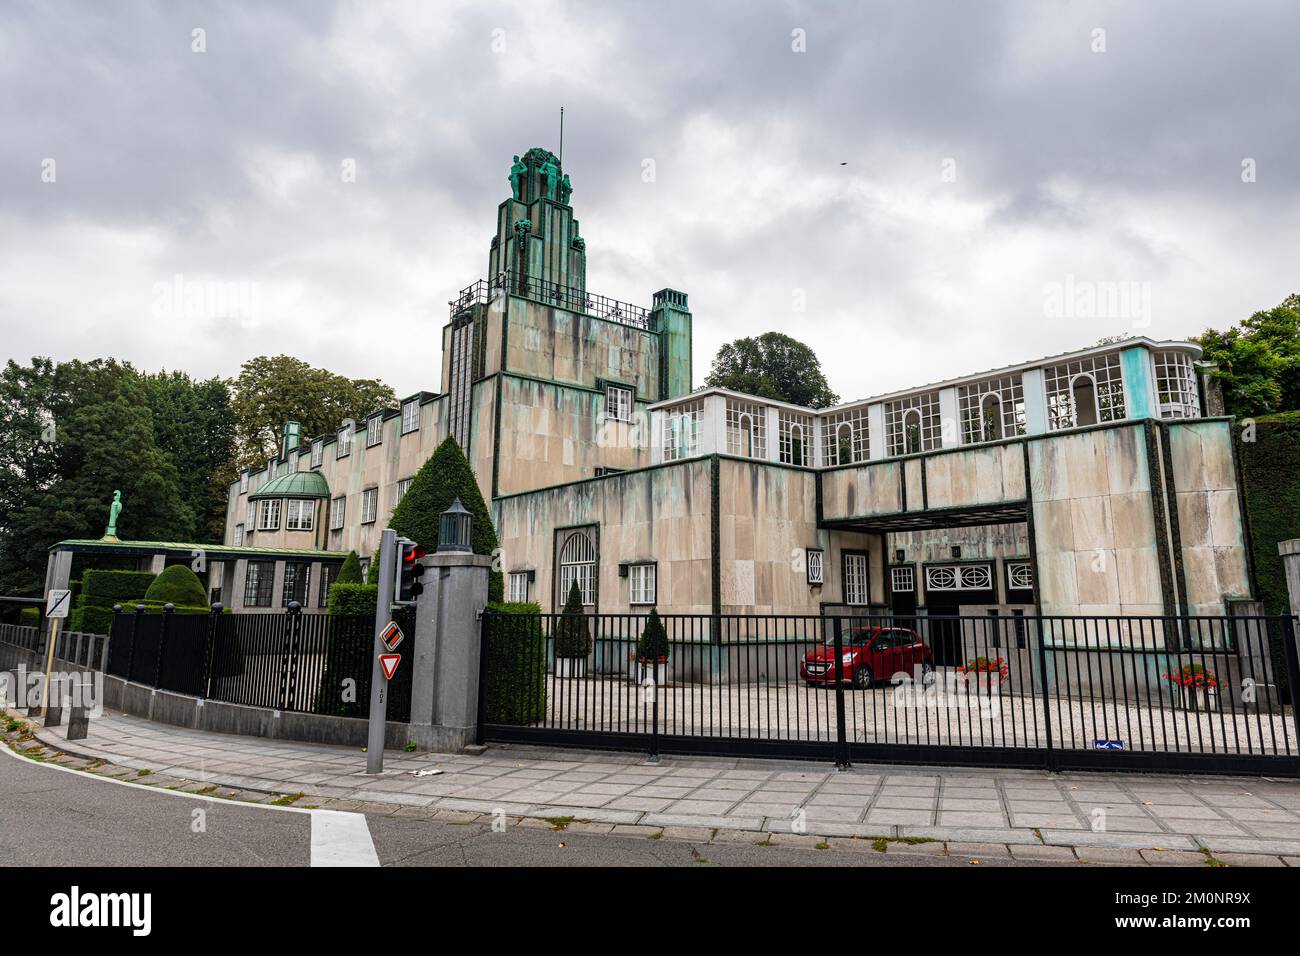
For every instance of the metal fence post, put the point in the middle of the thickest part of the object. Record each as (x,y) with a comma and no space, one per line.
(168,611)
(1292,671)
(135,632)
(485,624)
(210,650)
(1049,755)
(841,731)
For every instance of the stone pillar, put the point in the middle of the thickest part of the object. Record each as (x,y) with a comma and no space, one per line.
(1290,551)
(445,650)
(58,570)
(949,418)
(1212,393)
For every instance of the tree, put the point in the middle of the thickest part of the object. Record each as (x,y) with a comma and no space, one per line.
(572,638)
(272,390)
(87,431)
(178,585)
(773,366)
(195,426)
(442,479)
(1259,361)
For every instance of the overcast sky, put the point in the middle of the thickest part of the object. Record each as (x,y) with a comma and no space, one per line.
(901,185)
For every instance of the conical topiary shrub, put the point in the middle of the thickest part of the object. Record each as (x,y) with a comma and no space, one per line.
(653,645)
(177,585)
(442,479)
(572,638)
(350,570)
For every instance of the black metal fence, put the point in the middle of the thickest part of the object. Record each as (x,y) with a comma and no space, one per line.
(311,663)
(1192,693)
(553,293)
(72,647)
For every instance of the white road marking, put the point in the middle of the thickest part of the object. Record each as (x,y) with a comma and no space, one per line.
(338,838)
(341,839)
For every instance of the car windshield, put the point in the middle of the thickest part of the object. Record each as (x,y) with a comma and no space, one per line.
(854,638)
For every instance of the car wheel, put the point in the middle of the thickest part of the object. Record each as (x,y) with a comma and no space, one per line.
(862,678)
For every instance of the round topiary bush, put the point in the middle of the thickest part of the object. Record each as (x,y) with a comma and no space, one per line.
(177,585)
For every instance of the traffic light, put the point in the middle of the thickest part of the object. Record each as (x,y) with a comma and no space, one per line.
(409,572)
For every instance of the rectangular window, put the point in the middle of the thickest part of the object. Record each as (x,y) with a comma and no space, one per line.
(681,436)
(328,574)
(337,507)
(239,534)
(912,424)
(1085,392)
(518,586)
(992,410)
(270,470)
(618,403)
(250,521)
(1176,386)
(403,487)
(846,437)
(343,446)
(902,579)
(746,429)
(410,417)
(374,430)
(298,514)
(369,505)
(855,578)
(642,579)
(259,580)
(815,560)
(317,453)
(795,437)
(270,517)
(243,482)
(296,577)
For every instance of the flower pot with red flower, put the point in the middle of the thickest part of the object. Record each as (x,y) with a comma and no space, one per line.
(985,673)
(1197,688)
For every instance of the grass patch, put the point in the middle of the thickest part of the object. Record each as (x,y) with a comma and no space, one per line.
(1210,859)
(655,836)
(288,800)
(410,746)
(559,823)
(143,773)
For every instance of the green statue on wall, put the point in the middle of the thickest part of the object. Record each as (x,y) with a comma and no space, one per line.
(566,189)
(115,509)
(517,172)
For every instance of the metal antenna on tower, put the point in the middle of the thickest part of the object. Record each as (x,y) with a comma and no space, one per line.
(561,137)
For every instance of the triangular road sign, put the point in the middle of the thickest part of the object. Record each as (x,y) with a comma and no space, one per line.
(389,663)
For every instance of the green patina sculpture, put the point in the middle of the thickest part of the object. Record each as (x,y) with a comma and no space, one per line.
(566,189)
(115,509)
(551,172)
(517,172)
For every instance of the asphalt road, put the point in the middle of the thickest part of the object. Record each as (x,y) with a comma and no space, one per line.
(54,817)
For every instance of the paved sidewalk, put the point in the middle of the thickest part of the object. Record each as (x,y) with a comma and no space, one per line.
(1091,817)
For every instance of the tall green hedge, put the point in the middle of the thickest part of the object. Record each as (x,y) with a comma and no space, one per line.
(350,570)
(1271,464)
(442,479)
(514,684)
(30,617)
(352,599)
(106,588)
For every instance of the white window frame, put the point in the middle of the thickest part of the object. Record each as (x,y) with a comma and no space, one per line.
(343,444)
(299,514)
(374,430)
(642,582)
(250,519)
(317,453)
(369,505)
(268,517)
(243,482)
(815,563)
(403,487)
(578,559)
(1020,575)
(239,535)
(959,577)
(857,578)
(618,403)
(338,508)
(902,579)
(411,417)
(518,586)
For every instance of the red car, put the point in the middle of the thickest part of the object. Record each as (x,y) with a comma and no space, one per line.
(870,654)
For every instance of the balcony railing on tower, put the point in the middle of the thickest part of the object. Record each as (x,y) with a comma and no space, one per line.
(551,293)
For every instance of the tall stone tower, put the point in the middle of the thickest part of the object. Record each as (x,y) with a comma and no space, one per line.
(537,239)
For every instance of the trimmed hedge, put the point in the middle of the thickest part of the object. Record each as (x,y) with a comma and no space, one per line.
(106,588)
(99,620)
(572,636)
(177,585)
(350,570)
(514,684)
(353,599)
(30,617)
(653,643)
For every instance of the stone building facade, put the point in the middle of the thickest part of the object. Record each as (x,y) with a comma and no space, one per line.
(1084,483)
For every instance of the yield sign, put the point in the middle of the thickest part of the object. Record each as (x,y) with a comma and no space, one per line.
(389,663)
(391,636)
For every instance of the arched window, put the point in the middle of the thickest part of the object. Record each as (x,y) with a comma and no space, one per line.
(578,563)
(1083,392)
(796,445)
(912,431)
(746,436)
(844,443)
(991,417)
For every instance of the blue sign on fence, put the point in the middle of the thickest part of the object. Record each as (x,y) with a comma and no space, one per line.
(1108,745)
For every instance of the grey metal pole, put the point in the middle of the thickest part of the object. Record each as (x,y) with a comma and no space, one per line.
(378,685)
